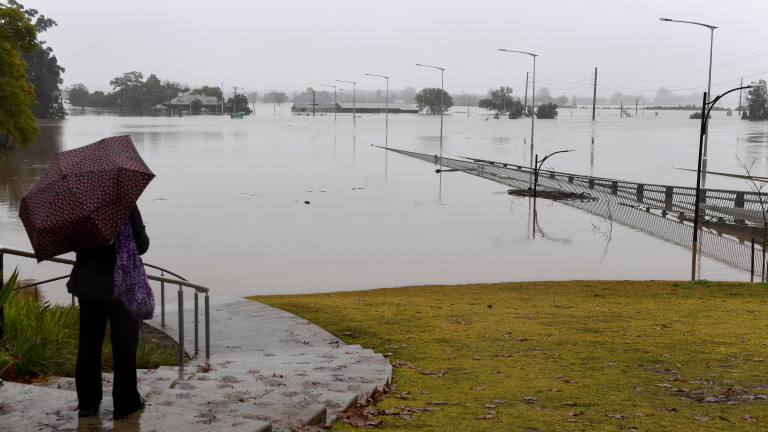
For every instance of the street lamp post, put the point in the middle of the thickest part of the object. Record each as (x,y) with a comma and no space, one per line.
(533,98)
(334,99)
(709,85)
(467,93)
(537,167)
(354,84)
(442,105)
(386,115)
(706,109)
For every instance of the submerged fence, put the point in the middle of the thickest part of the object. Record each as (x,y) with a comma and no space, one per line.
(731,219)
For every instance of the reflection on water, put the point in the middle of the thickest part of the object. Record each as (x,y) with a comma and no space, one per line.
(228,206)
(760,137)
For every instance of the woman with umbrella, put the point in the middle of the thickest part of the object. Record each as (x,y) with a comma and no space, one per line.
(85,202)
(93,283)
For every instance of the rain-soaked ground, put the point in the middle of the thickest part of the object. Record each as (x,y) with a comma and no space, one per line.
(296,204)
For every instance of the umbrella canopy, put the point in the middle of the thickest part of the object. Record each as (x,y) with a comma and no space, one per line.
(84,196)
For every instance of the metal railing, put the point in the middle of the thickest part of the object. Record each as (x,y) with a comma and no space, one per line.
(731,218)
(179,281)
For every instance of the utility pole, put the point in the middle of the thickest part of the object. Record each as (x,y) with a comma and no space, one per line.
(525,103)
(741,84)
(594,95)
(234,101)
(222,98)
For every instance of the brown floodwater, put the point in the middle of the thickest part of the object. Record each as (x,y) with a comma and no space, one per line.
(298,204)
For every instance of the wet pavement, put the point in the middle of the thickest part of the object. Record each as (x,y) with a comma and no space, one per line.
(269,370)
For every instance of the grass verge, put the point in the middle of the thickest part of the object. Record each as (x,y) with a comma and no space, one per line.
(552,356)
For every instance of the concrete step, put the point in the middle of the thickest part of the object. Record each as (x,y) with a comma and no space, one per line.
(244,324)
(28,407)
(267,366)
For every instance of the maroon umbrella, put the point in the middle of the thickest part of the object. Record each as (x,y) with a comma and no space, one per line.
(84,196)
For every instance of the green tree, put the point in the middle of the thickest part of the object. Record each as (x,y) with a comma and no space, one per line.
(547,111)
(757,102)
(78,95)
(17,122)
(43,69)
(211,91)
(131,90)
(499,100)
(433,100)
(241,106)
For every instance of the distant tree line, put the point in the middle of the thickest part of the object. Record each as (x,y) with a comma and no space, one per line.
(345,95)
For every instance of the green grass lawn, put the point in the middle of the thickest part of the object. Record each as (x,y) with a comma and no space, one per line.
(560,356)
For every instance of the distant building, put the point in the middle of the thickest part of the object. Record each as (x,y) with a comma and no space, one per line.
(194,102)
(378,107)
(306,107)
(359,107)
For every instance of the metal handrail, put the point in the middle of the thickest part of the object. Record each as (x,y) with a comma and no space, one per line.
(180,281)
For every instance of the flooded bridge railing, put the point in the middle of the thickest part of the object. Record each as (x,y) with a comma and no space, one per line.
(732,219)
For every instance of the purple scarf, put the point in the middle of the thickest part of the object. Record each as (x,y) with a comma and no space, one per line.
(131,283)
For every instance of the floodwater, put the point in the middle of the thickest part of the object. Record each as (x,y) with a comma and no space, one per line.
(277,203)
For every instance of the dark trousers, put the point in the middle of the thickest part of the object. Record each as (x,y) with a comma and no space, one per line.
(124,336)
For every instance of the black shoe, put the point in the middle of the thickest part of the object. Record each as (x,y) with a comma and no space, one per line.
(85,412)
(119,414)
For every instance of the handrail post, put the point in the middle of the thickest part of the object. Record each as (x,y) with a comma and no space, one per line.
(181,328)
(2,308)
(207,330)
(162,303)
(197,320)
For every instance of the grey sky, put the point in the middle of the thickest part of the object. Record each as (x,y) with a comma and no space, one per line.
(290,45)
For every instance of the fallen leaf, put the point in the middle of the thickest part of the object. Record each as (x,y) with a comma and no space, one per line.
(575,413)
(530,399)
(748,418)
(477,388)
(701,418)
(616,416)
(570,403)
(486,417)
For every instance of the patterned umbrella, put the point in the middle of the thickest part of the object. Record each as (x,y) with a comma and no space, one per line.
(84,196)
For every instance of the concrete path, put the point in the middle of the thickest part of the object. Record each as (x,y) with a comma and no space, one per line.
(269,370)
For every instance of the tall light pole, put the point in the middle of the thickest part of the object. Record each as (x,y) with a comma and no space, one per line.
(442,105)
(709,89)
(699,177)
(533,98)
(334,99)
(467,93)
(354,120)
(386,116)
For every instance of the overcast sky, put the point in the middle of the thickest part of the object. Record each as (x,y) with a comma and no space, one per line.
(292,44)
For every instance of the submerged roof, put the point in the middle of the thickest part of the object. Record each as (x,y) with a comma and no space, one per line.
(190,97)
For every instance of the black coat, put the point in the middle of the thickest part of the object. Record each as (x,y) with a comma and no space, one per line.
(93,275)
